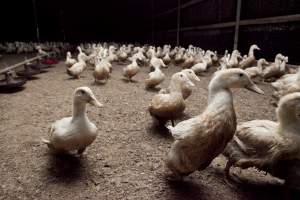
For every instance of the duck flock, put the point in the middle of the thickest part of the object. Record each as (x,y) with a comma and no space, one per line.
(271,146)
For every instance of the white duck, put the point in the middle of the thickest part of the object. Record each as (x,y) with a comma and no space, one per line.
(200,67)
(81,55)
(249,60)
(69,60)
(202,138)
(275,69)
(233,61)
(102,70)
(186,89)
(75,132)
(155,78)
(265,144)
(164,107)
(256,71)
(286,80)
(132,69)
(76,69)
(166,59)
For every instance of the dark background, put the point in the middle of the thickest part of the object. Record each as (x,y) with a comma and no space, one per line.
(130,21)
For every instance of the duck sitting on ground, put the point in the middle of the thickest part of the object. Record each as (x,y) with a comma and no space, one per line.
(74,133)
(257,71)
(250,60)
(164,107)
(186,89)
(201,139)
(155,78)
(286,80)
(265,144)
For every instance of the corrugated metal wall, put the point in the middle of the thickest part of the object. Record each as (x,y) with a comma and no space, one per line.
(131,21)
(272,38)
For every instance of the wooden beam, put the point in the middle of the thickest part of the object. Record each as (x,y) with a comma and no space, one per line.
(178,25)
(246,22)
(20,64)
(183,6)
(237,24)
(36,20)
(191,3)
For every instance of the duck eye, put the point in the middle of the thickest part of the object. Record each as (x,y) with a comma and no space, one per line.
(82,91)
(181,75)
(241,75)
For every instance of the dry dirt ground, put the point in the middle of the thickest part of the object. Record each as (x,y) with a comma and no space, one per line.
(127,159)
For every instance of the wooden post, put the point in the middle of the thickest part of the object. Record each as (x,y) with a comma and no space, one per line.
(36,21)
(178,24)
(152,21)
(237,24)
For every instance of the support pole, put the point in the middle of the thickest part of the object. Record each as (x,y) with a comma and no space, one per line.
(178,24)
(152,21)
(237,24)
(36,21)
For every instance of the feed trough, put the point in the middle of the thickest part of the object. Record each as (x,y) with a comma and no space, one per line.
(11,82)
(28,72)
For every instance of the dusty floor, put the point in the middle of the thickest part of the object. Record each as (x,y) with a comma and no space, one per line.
(127,159)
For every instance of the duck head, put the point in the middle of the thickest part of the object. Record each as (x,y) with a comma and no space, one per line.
(180,80)
(191,74)
(85,95)
(254,47)
(233,78)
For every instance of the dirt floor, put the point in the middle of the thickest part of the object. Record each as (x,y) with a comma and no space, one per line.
(127,159)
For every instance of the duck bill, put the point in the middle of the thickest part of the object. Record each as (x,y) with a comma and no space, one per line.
(190,83)
(95,102)
(252,87)
(196,78)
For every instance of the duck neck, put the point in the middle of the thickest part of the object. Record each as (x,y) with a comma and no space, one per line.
(260,66)
(277,61)
(251,51)
(175,86)
(79,109)
(134,61)
(282,66)
(288,121)
(218,95)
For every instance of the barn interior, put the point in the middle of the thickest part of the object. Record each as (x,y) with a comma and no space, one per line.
(192,99)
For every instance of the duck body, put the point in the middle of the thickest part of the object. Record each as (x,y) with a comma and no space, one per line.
(69,60)
(256,71)
(285,80)
(76,69)
(102,70)
(166,59)
(199,140)
(131,70)
(200,67)
(250,60)
(155,78)
(254,140)
(269,145)
(169,106)
(186,89)
(276,69)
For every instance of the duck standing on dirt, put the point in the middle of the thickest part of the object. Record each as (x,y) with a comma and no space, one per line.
(74,133)
(201,139)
